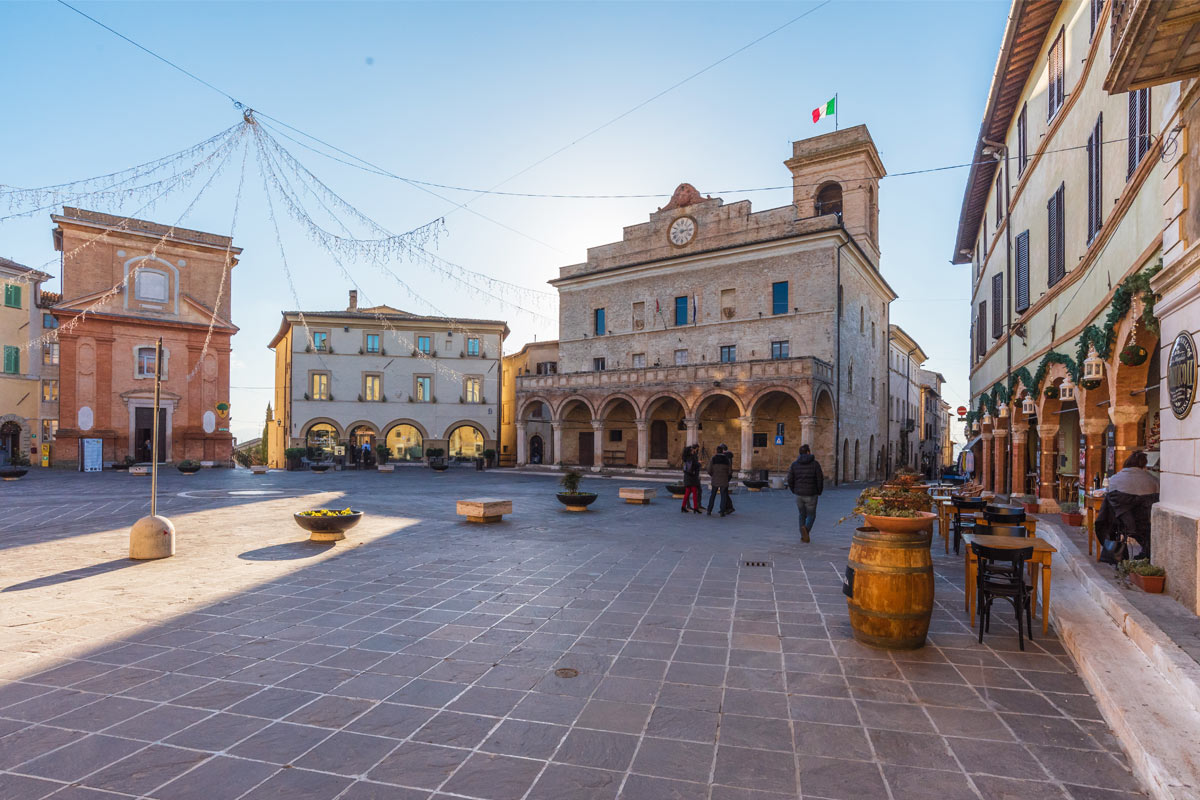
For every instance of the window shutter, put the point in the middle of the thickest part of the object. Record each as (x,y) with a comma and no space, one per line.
(1054,213)
(999,199)
(1022,146)
(997,305)
(1143,123)
(1138,130)
(1055,69)
(1131,146)
(1095,183)
(12,360)
(1022,271)
(981,335)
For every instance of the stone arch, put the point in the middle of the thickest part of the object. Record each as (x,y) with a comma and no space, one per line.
(362,423)
(402,447)
(824,446)
(827,199)
(652,404)
(857,475)
(611,401)
(718,417)
(466,449)
(574,417)
(665,414)
(770,409)
(561,410)
(801,400)
(1127,382)
(341,432)
(845,460)
(405,421)
(707,396)
(530,402)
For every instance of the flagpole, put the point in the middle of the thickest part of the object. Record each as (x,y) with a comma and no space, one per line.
(835,111)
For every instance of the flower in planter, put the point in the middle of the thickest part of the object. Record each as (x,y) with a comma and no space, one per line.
(1134,355)
(325,512)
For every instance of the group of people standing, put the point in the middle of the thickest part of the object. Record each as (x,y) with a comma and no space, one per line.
(805,480)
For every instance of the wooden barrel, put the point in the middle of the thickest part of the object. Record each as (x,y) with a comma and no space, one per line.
(890,588)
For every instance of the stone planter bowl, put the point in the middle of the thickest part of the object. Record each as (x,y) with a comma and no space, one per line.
(328,529)
(319,467)
(676,490)
(901,524)
(189,470)
(13,473)
(754,485)
(577,501)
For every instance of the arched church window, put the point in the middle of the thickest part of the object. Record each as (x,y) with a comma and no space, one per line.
(829,199)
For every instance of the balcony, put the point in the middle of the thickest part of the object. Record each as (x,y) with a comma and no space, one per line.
(763,370)
(1153,43)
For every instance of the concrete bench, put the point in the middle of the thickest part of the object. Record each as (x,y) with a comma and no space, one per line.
(484,509)
(637,495)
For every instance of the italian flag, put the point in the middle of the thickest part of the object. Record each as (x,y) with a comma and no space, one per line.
(826,110)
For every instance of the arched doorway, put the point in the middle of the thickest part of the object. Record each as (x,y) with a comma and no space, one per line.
(824,446)
(577,437)
(717,417)
(857,474)
(619,446)
(466,441)
(405,443)
(537,449)
(360,444)
(668,431)
(658,440)
(776,430)
(10,441)
(845,460)
(536,415)
(871,466)
(320,439)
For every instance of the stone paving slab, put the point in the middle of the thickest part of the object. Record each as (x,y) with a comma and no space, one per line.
(418,658)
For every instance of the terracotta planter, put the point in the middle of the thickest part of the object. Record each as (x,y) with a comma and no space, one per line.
(902,524)
(576,501)
(1151,584)
(1073,520)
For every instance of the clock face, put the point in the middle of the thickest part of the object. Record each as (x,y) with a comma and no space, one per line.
(682,230)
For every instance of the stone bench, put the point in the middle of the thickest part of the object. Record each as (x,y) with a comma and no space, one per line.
(637,495)
(484,509)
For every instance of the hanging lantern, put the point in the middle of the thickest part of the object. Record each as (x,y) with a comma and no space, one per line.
(987,418)
(1093,367)
(1003,410)
(1028,408)
(1066,390)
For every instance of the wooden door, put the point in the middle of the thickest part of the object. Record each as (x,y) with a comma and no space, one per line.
(587,445)
(658,439)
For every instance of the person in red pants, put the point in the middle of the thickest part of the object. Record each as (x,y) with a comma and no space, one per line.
(691,479)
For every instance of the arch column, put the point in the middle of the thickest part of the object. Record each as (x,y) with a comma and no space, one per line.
(1000,449)
(1093,459)
(1048,471)
(643,443)
(521,455)
(1016,468)
(556,427)
(985,469)
(597,445)
(808,432)
(747,457)
(693,430)
(1126,419)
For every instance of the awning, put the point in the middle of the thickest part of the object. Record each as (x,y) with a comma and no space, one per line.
(970,445)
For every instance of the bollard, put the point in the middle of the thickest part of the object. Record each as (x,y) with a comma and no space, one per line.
(151,537)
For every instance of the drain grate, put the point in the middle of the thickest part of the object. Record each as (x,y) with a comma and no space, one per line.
(756,563)
(567,672)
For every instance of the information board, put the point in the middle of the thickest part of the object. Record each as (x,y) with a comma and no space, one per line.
(92,457)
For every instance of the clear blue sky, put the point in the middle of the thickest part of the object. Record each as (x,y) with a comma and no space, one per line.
(470,93)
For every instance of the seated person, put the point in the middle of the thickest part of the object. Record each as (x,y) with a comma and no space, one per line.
(1126,508)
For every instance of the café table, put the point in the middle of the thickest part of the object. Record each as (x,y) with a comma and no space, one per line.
(1042,551)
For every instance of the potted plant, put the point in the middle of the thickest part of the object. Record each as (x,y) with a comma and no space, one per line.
(570,496)
(1029,502)
(188,467)
(124,464)
(293,455)
(16,468)
(325,525)
(895,510)
(437,461)
(489,458)
(1070,514)
(382,454)
(1148,577)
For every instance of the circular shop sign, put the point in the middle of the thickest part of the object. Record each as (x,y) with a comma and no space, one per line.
(1181,375)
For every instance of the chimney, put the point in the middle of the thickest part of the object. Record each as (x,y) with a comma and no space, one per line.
(353,300)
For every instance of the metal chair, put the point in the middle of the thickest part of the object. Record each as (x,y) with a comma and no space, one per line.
(962,526)
(1004,515)
(996,529)
(1001,573)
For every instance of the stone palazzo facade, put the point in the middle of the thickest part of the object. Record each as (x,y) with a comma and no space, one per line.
(714,324)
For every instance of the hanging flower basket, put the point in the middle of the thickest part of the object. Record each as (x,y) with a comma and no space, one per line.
(1090,384)
(1050,392)
(1134,356)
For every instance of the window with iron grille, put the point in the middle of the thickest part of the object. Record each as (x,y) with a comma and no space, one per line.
(1056,245)
(1095,147)
(997,305)
(1022,141)
(1139,129)
(1022,246)
(1055,69)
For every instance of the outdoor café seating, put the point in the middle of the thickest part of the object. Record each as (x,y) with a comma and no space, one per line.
(965,509)
(1001,574)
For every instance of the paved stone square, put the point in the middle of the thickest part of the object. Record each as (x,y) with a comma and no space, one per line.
(625,652)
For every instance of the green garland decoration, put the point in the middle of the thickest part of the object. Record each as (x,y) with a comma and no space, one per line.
(1022,376)
(1055,358)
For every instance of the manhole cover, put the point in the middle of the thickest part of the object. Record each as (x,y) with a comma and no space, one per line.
(756,563)
(567,672)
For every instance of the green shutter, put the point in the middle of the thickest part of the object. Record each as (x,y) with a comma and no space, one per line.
(12,360)
(12,296)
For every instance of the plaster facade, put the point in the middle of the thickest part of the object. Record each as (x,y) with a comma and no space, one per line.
(28,372)
(905,358)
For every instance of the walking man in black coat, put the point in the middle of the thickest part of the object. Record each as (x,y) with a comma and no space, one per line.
(806,481)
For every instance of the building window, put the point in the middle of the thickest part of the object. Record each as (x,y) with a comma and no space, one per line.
(49,322)
(150,285)
(1095,148)
(12,295)
(728,353)
(49,391)
(861,323)
(547,368)
(850,379)
(372,342)
(1022,271)
(779,297)
(980,337)
(12,360)
(50,353)
(829,200)
(997,305)
(424,388)
(639,360)
(145,362)
(372,388)
(681,358)
(1055,69)
(1139,129)
(49,430)
(872,389)
(999,198)
(1056,249)
(681,311)
(616,435)
(598,326)
(423,344)
(319,384)
(320,341)
(779,349)
(598,365)
(639,316)
(760,440)
(472,347)
(1022,142)
(473,390)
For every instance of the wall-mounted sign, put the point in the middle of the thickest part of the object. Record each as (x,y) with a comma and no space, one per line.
(1181,375)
